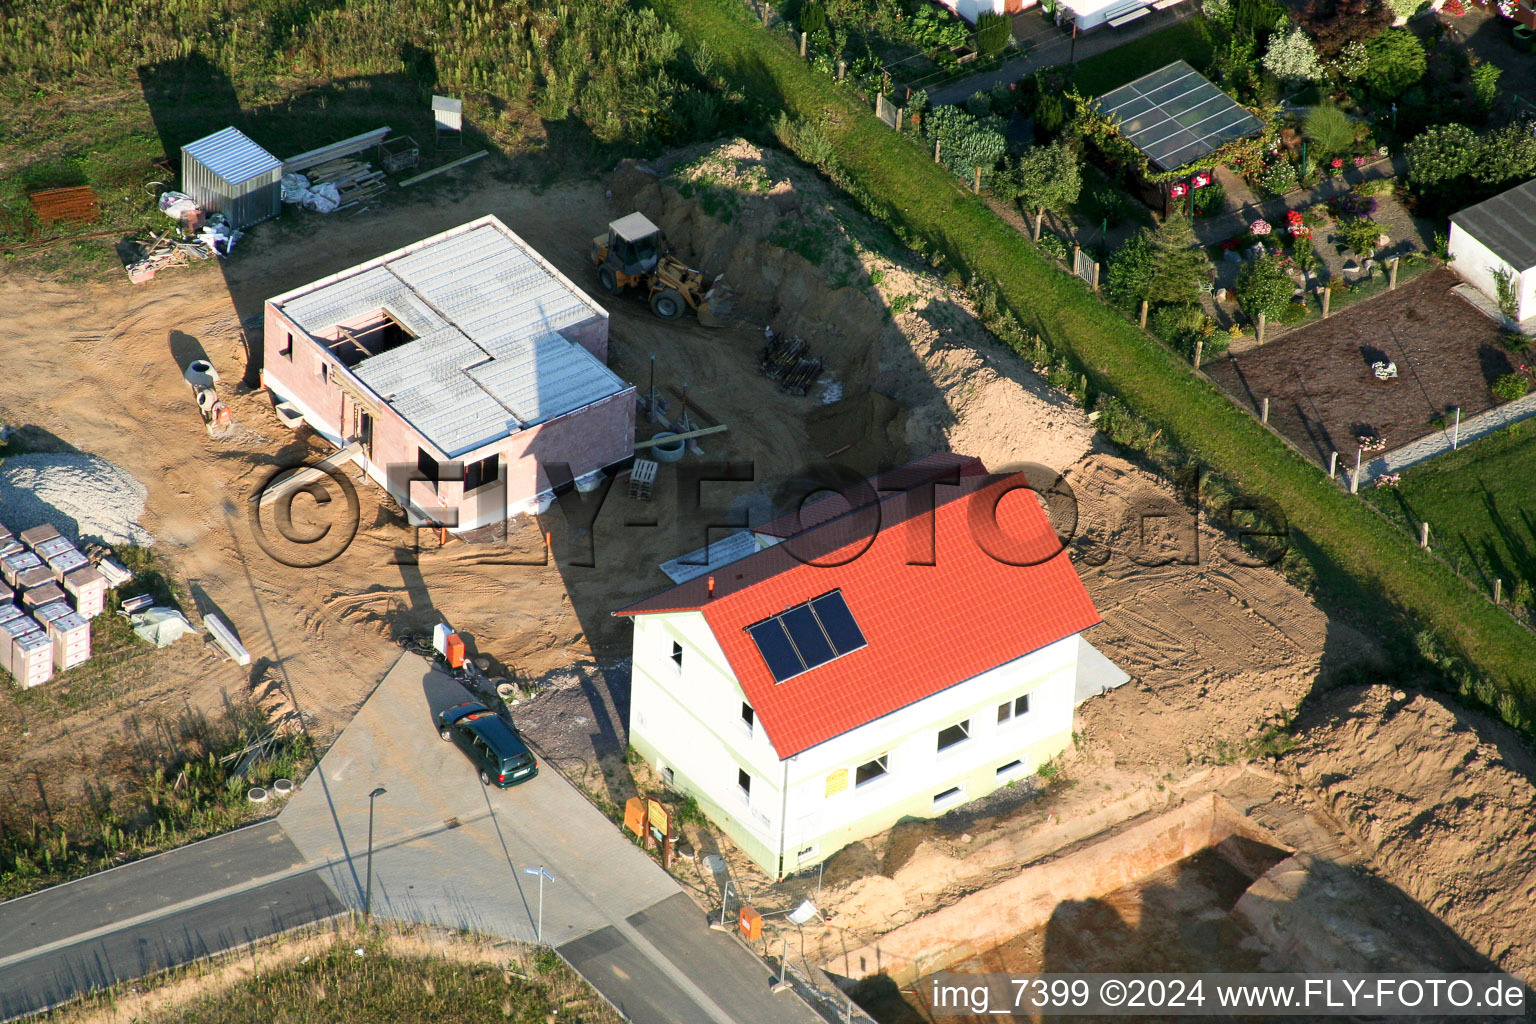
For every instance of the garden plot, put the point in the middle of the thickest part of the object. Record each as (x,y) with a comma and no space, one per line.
(1323,395)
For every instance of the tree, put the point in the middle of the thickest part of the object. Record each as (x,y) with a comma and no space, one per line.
(1352,61)
(1333,24)
(1263,286)
(1161,266)
(1044,176)
(1405,9)
(813,18)
(1505,156)
(993,32)
(1485,83)
(1180,266)
(1218,13)
(1329,129)
(1396,61)
(1292,56)
(1441,153)
(965,142)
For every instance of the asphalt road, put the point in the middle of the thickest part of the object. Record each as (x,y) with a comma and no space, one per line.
(443,850)
(153,914)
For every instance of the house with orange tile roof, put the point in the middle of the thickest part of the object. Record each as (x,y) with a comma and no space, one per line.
(905,654)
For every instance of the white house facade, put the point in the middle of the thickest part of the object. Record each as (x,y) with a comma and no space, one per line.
(1497,236)
(900,716)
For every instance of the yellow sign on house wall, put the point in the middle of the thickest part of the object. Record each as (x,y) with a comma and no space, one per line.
(837,782)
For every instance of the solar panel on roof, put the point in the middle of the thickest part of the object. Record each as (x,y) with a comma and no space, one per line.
(773,643)
(801,638)
(838,621)
(805,633)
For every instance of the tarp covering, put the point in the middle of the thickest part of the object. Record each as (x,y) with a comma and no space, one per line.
(161,626)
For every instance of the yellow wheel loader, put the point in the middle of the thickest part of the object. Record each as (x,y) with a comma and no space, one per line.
(633,253)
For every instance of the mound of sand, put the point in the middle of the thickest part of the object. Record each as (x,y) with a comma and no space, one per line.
(81,496)
(1443,799)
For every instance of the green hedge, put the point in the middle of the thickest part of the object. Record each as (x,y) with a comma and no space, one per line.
(1349,545)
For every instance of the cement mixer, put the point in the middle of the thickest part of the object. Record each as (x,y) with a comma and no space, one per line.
(201,375)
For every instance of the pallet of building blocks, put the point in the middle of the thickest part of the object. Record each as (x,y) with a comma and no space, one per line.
(48,548)
(38,535)
(10,629)
(71,637)
(12,565)
(39,596)
(65,562)
(6,593)
(11,546)
(9,611)
(5,534)
(37,576)
(32,659)
(88,589)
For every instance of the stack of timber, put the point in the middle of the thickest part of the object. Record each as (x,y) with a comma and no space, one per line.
(356,181)
(164,252)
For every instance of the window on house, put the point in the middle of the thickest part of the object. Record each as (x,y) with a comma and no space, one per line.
(323,371)
(287,350)
(747,714)
(745,782)
(869,771)
(426,465)
(951,795)
(667,775)
(1012,708)
(957,733)
(1009,768)
(677,655)
(478,474)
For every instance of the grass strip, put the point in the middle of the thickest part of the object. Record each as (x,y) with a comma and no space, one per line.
(1338,533)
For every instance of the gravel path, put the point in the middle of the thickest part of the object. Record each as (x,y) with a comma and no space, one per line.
(81,496)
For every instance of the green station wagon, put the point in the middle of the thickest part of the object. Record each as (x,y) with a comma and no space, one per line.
(493,745)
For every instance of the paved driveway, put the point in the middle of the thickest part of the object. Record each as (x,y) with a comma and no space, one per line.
(449,851)
(445,850)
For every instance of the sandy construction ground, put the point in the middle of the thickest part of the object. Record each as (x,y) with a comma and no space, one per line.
(1215,649)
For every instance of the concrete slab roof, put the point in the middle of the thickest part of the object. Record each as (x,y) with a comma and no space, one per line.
(487,358)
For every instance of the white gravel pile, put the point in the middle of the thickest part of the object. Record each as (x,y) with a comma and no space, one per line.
(81,496)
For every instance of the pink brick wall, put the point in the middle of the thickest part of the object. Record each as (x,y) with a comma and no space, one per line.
(587,439)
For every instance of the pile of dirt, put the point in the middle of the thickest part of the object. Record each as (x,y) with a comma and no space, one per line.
(1443,799)
(81,496)
(796,257)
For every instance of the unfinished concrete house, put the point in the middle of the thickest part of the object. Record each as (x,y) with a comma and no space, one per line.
(461,367)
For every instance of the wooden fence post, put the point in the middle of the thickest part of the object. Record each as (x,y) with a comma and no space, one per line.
(1333,465)
(1327,294)
(1261,329)
(901,118)
(1095,276)
(1039,219)
(1264,411)
(1424,536)
(976,184)
(936,145)
(1143,318)
(1199,346)
(1498,588)
(1392,275)
(804,38)
(842,70)
(1354,480)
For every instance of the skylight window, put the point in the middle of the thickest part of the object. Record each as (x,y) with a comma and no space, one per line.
(807,635)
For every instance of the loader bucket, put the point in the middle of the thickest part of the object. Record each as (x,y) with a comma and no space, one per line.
(717,304)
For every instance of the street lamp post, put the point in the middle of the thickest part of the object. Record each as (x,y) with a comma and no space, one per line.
(539,928)
(368,889)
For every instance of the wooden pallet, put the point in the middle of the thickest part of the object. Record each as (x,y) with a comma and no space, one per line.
(642,479)
(66,205)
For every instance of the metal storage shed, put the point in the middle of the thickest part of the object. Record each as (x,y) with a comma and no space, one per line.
(228,173)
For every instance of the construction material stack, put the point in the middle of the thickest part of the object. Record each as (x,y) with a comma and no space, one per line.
(50,594)
(356,181)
